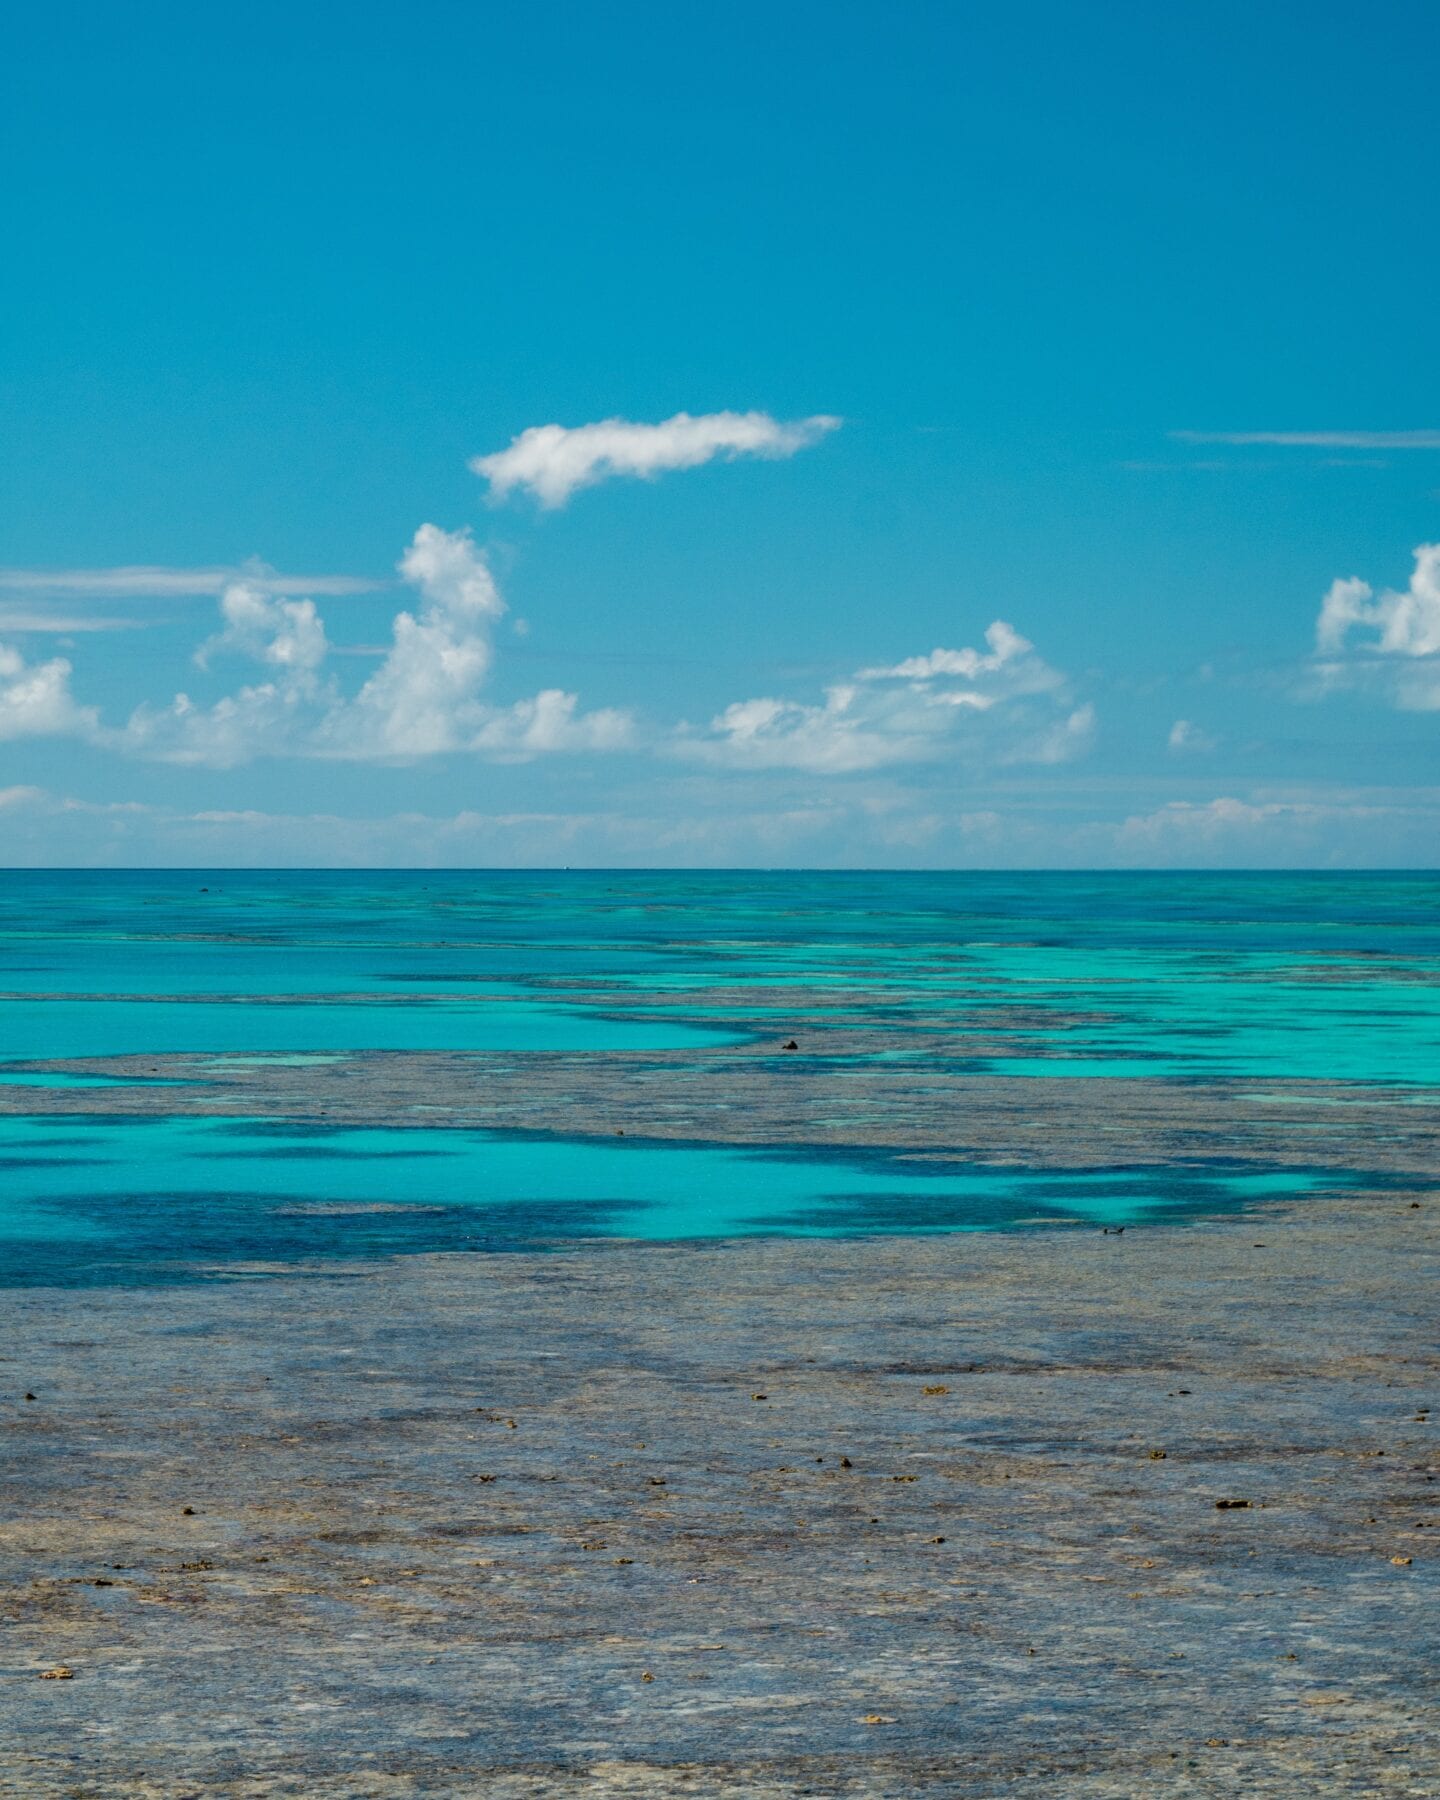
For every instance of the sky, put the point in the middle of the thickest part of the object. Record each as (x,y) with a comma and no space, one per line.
(787,434)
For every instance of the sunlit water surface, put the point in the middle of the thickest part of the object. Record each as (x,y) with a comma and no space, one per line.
(1257,978)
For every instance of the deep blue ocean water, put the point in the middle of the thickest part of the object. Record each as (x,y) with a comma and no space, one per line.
(1164,978)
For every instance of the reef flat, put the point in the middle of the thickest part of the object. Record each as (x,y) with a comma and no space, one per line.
(1017,1513)
(754,1336)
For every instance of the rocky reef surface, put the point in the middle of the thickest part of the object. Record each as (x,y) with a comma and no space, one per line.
(1018,1513)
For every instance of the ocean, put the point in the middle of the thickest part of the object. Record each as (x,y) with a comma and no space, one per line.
(214,1076)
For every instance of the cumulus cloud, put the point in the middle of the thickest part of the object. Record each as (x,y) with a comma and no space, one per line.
(553,461)
(288,633)
(1407,623)
(1004,704)
(35,699)
(265,718)
(1005,645)
(423,700)
(548,722)
(1388,642)
(836,737)
(270,718)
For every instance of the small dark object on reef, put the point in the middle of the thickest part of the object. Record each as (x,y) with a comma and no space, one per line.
(1230,1505)
(845,1463)
(29,1396)
(791,1045)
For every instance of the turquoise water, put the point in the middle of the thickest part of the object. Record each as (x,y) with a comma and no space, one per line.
(101,1199)
(1250,979)
(126,1026)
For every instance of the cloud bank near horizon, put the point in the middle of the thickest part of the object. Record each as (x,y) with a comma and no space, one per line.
(1002,705)
(776,768)
(424,700)
(998,706)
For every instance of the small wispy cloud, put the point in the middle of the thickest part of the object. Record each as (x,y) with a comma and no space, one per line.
(1187,737)
(156,581)
(20,796)
(1318,440)
(22,618)
(552,462)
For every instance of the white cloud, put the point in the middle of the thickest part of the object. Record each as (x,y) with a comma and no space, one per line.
(1318,440)
(1005,645)
(35,699)
(266,718)
(288,633)
(551,722)
(1061,742)
(1387,642)
(271,718)
(725,820)
(1187,820)
(20,796)
(423,700)
(1408,622)
(1004,705)
(158,582)
(837,737)
(553,461)
(22,618)
(1392,828)
(1187,736)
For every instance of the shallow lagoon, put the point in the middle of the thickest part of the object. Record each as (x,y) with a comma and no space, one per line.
(1329,980)
(96,1199)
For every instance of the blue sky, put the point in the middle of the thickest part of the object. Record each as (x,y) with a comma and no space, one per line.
(1108,332)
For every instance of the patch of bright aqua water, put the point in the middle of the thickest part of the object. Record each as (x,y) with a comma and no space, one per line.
(99,1200)
(125,1026)
(59,1078)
